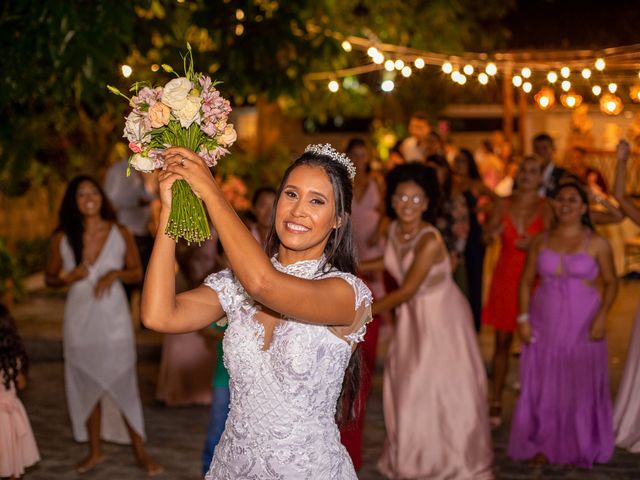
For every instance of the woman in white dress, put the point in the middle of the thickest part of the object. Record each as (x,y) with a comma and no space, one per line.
(626,409)
(295,317)
(92,255)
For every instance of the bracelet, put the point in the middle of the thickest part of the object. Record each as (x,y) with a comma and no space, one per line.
(522,318)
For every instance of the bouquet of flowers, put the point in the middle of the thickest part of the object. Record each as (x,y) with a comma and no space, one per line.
(187,112)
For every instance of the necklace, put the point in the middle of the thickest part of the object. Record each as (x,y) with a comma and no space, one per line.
(409,235)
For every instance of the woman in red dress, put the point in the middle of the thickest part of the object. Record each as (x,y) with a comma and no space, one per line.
(515,220)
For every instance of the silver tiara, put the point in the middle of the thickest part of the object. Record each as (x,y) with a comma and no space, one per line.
(328,151)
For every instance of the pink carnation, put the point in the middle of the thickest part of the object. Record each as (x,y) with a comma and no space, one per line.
(135,148)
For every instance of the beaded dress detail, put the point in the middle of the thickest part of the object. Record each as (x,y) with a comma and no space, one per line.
(281,421)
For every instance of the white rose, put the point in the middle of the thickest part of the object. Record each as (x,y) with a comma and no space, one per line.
(228,136)
(136,128)
(190,111)
(142,163)
(175,93)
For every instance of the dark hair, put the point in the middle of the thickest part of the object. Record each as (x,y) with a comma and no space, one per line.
(13,356)
(339,253)
(355,142)
(420,116)
(586,219)
(259,192)
(441,161)
(472,166)
(423,176)
(543,137)
(70,219)
(600,181)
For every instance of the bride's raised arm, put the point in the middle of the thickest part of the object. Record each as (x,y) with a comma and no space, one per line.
(328,301)
(161,309)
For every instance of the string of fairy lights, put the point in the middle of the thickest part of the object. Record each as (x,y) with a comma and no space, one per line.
(570,75)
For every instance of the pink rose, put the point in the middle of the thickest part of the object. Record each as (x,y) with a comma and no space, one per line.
(135,148)
(159,115)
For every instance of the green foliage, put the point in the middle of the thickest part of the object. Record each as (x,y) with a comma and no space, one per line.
(8,269)
(59,55)
(31,255)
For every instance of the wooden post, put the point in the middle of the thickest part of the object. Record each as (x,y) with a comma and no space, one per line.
(522,119)
(507,103)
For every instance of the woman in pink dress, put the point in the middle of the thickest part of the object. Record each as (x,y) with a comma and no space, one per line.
(366,215)
(563,414)
(435,385)
(18,449)
(626,411)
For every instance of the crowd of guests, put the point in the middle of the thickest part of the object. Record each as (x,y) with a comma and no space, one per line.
(421,229)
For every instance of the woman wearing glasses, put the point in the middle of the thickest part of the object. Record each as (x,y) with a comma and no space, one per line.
(434,381)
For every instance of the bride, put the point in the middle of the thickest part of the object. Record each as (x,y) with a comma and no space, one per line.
(295,316)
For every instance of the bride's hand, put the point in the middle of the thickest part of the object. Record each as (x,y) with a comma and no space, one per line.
(165,182)
(187,165)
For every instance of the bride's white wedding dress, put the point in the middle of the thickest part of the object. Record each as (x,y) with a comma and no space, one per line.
(283,400)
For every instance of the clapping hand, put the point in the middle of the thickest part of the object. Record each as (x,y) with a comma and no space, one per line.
(78,273)
(104,284)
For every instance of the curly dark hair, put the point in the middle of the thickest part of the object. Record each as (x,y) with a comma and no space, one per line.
(70,218)
(13,356)
(423,176)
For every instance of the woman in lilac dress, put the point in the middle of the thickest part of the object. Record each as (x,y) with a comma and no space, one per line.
(563,415)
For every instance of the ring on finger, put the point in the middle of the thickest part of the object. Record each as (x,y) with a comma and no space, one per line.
(182,162)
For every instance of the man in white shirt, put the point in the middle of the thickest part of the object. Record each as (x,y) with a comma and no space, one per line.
(131,201)
(544,147)
(415,147)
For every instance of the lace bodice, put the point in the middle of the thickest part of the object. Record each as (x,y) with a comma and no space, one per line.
(283,400)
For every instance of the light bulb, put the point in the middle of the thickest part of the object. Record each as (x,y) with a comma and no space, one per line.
(517,80)
(527,87)
(597,90)
(552,77)
(419,63)
(491,69)
(468,69)
(566,85)
(387,86)
(406,71)
(586,73)
(399,64)
(600,64)
(346,46)
(612,87)
(447,68)
(526,72)
(334,86)
(126,71)
(372,51)
(483,78)
(565,72)
(389,65)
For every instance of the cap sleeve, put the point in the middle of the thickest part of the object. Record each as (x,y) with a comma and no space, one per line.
(362,307)
(230,292)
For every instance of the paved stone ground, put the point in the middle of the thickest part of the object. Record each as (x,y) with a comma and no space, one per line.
(175,435)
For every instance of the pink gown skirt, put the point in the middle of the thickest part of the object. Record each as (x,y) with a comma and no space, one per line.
(18,448)
(626,411)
